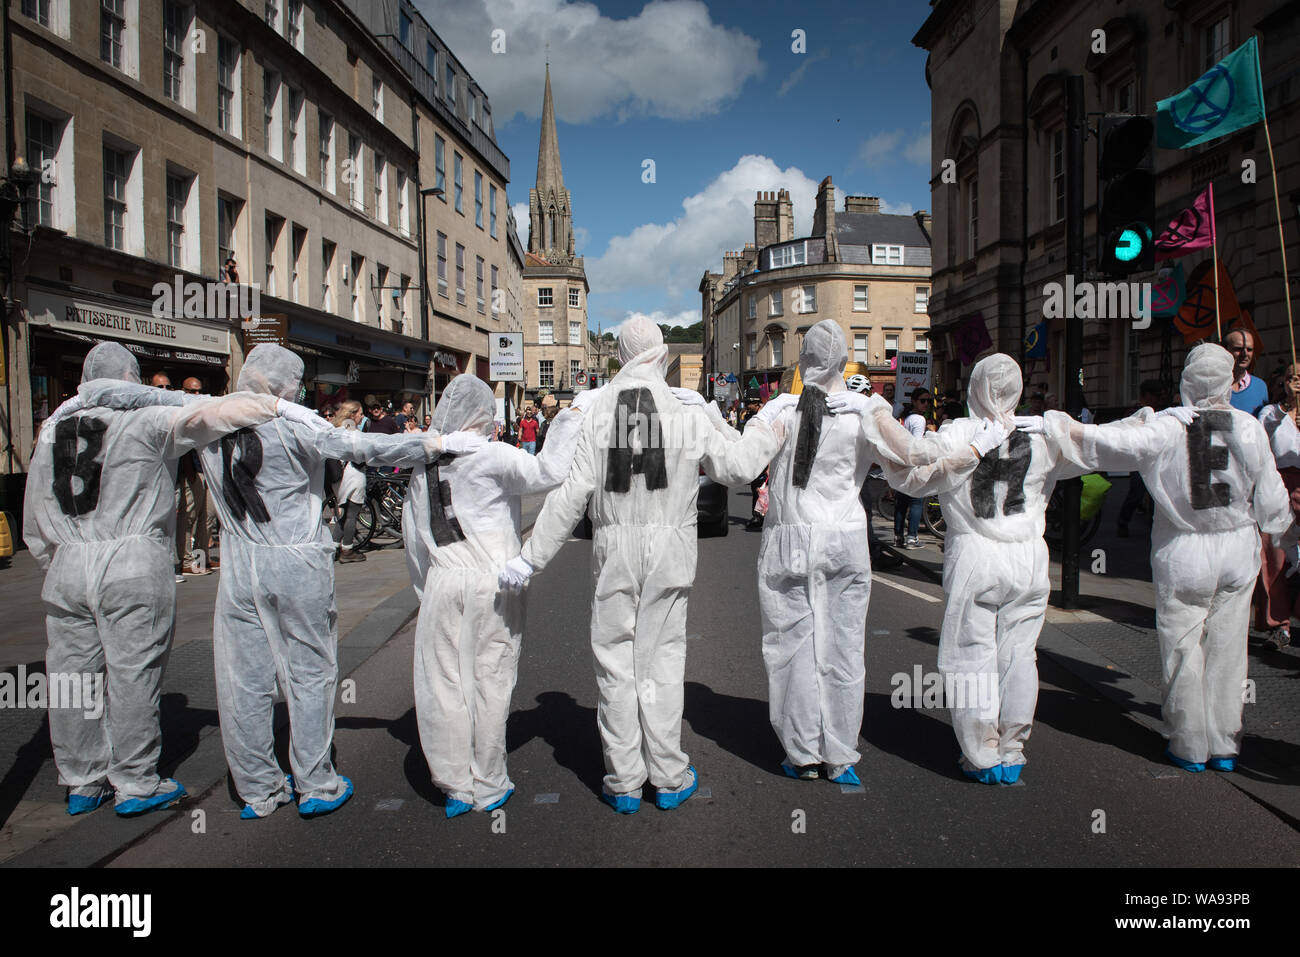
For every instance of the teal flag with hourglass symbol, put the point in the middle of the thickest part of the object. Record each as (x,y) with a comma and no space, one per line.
(1228,96)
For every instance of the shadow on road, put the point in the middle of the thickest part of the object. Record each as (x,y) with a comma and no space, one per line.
(568,728)
(739,726)
(912,734)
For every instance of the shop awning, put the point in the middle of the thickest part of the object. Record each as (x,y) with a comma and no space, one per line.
(138,348)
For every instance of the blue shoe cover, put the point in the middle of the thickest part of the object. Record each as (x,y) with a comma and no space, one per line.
(622,803)
(991,775)
(1222,764)
(1011,773)
(850,776)
(456,808)
(85,803)
(667,800)
(1190,766)
(134,806)
(806,773)
(500,801)
(318,806)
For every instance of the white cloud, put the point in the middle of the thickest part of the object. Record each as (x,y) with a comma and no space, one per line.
(667,259)
(670,60)
(797,74)
(884,147)
(879,146)
(903,209)
(521,221)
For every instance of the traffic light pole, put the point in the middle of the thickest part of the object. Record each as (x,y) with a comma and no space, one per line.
(1076,133)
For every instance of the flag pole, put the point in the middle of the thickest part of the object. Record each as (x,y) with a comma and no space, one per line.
(1281,236)
(1214,264)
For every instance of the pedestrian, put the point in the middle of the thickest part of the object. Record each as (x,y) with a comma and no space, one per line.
(1277,597)
(753,404)
(191,506)
(814,567)
(528,426)
(1249,394)
(380,421)
(550,409)
(460,525)
(428,421)
(638,459)
(406,415)
(907,510)
(98,514)
(349,487)
(1212,499)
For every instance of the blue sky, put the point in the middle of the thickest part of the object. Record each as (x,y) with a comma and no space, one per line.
(712,93)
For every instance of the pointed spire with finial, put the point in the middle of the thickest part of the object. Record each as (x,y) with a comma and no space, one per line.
(550,176)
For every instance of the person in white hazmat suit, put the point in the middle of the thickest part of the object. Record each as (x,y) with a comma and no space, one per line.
(638,461)
(461,523)
(276,616)
(995,572)
(814,570)
(1215,486)
(99,517)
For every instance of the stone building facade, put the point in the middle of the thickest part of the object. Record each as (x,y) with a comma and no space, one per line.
(867,270)
(996,71)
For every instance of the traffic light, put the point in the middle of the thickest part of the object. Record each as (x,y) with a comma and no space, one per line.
(710,388)
(1126,195)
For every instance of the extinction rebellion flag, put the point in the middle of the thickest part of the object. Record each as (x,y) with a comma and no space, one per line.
(1228,96)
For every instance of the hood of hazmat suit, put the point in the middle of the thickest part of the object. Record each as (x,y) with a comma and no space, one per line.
(272,370)
(994,388)
(99,516)
(460,523)
(108,360)
(637,464)
(1207,377)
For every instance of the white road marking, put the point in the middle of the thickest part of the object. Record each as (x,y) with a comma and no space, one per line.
(903,588)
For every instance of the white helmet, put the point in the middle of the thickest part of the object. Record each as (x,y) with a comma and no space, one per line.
(858,383)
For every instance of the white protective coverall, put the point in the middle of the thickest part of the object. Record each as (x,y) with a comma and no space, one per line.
(1215,486)
(638,461)
(275,613)
(814,571)
(99,517)
(995,571)
(461,523)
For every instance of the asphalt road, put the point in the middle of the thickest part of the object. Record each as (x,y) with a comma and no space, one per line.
(1095,793)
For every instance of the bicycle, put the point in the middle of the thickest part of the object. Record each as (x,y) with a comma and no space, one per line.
(381,514)
(1089,517)
(882,556)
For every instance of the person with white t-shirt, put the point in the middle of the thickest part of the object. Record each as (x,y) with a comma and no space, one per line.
(905,505)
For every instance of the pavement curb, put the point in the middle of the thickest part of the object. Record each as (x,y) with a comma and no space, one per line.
(103,835)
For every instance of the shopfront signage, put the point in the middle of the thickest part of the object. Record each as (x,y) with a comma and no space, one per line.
(91,317)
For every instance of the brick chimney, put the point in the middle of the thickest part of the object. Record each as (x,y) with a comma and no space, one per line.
(824,212)
(862,204)
(773,218)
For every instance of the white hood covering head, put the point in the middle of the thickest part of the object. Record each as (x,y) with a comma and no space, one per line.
(271,370)
(467,405)
(1207,377)
(994,390)
(642,342)
(823,356)
(108,360)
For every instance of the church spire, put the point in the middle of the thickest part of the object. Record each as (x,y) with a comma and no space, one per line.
(549,174)
(550,218)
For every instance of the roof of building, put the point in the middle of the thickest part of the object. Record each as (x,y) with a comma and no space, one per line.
(685,348)
(863,229)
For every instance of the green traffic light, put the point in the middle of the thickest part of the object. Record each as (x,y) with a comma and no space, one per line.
(1129,246)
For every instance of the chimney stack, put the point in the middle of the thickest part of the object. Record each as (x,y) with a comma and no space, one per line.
(923,218)
(862,204)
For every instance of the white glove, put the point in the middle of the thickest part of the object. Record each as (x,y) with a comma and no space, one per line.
(768,413)
(584,399)
(687,397)
(302,415)
(990,435)
(848,402)
(1184,414)
(463,443)
(1032,424)
(516,573)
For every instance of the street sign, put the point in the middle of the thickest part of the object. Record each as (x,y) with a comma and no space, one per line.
(506,356)
(582,378)
(269,327)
